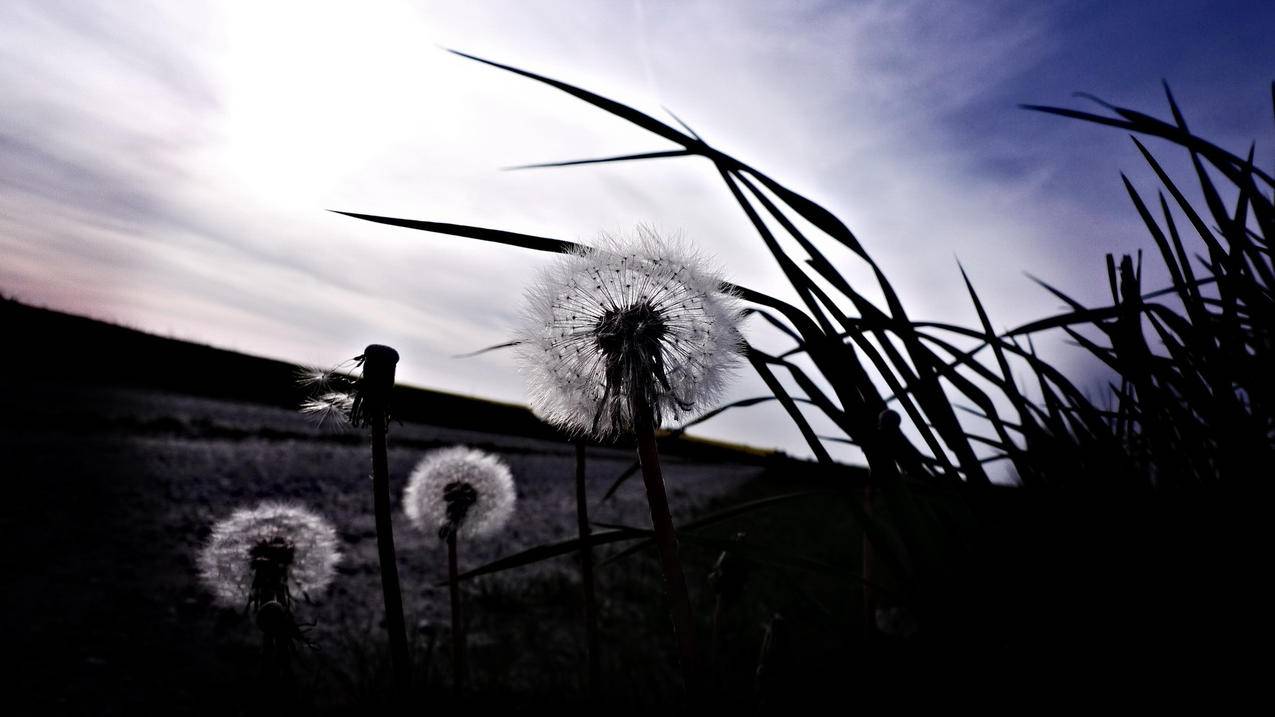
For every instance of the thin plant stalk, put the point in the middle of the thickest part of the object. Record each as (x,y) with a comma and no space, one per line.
(869,573)
(460,666)
(713,641)
(374,390)
(666,540)
(586,574)
(431,639)
(275,622)
(727,580)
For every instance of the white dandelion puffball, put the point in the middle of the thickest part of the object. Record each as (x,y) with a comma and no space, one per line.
(638,324)
(460,489)
(226,561)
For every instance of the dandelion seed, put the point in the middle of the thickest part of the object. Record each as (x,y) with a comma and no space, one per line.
(333,406)
(461,490)
(356,400)
(313,376)
(640,322)
(268,554)
(332,391)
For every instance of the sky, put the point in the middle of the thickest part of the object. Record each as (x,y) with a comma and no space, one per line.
(168,166)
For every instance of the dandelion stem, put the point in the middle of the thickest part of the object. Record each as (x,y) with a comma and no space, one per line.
(586,574)
(459,667)
(666,539)
(869,574)
(713,644)
(375,386)
(276,670)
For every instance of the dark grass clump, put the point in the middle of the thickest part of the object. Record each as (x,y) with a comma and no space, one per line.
(1194,400)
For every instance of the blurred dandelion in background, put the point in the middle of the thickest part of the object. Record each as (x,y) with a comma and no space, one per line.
(460,490)
(637,321)
(269,553)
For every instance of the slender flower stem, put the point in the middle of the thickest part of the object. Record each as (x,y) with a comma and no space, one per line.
(378,380)
(666,539)
(459,666)
(586,574)
(717,619)
(869,574)
(276,669)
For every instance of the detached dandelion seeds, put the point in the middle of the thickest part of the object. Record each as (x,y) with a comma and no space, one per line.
(455,492)
(620,338)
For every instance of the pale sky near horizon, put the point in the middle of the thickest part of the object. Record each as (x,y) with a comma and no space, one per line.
(168,165)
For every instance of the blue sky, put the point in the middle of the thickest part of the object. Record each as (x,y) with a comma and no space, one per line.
(168,165)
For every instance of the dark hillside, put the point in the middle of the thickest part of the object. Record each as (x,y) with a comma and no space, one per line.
(51,346)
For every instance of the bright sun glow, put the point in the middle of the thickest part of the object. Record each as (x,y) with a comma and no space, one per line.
(315,90)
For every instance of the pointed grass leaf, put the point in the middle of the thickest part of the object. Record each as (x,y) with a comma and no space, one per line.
(604,160)
(525,241)
(480,352)
(541,553)
(640,119)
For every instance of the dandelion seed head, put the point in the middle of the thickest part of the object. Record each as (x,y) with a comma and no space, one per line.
(461,489)
(642,320)
(269,536)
